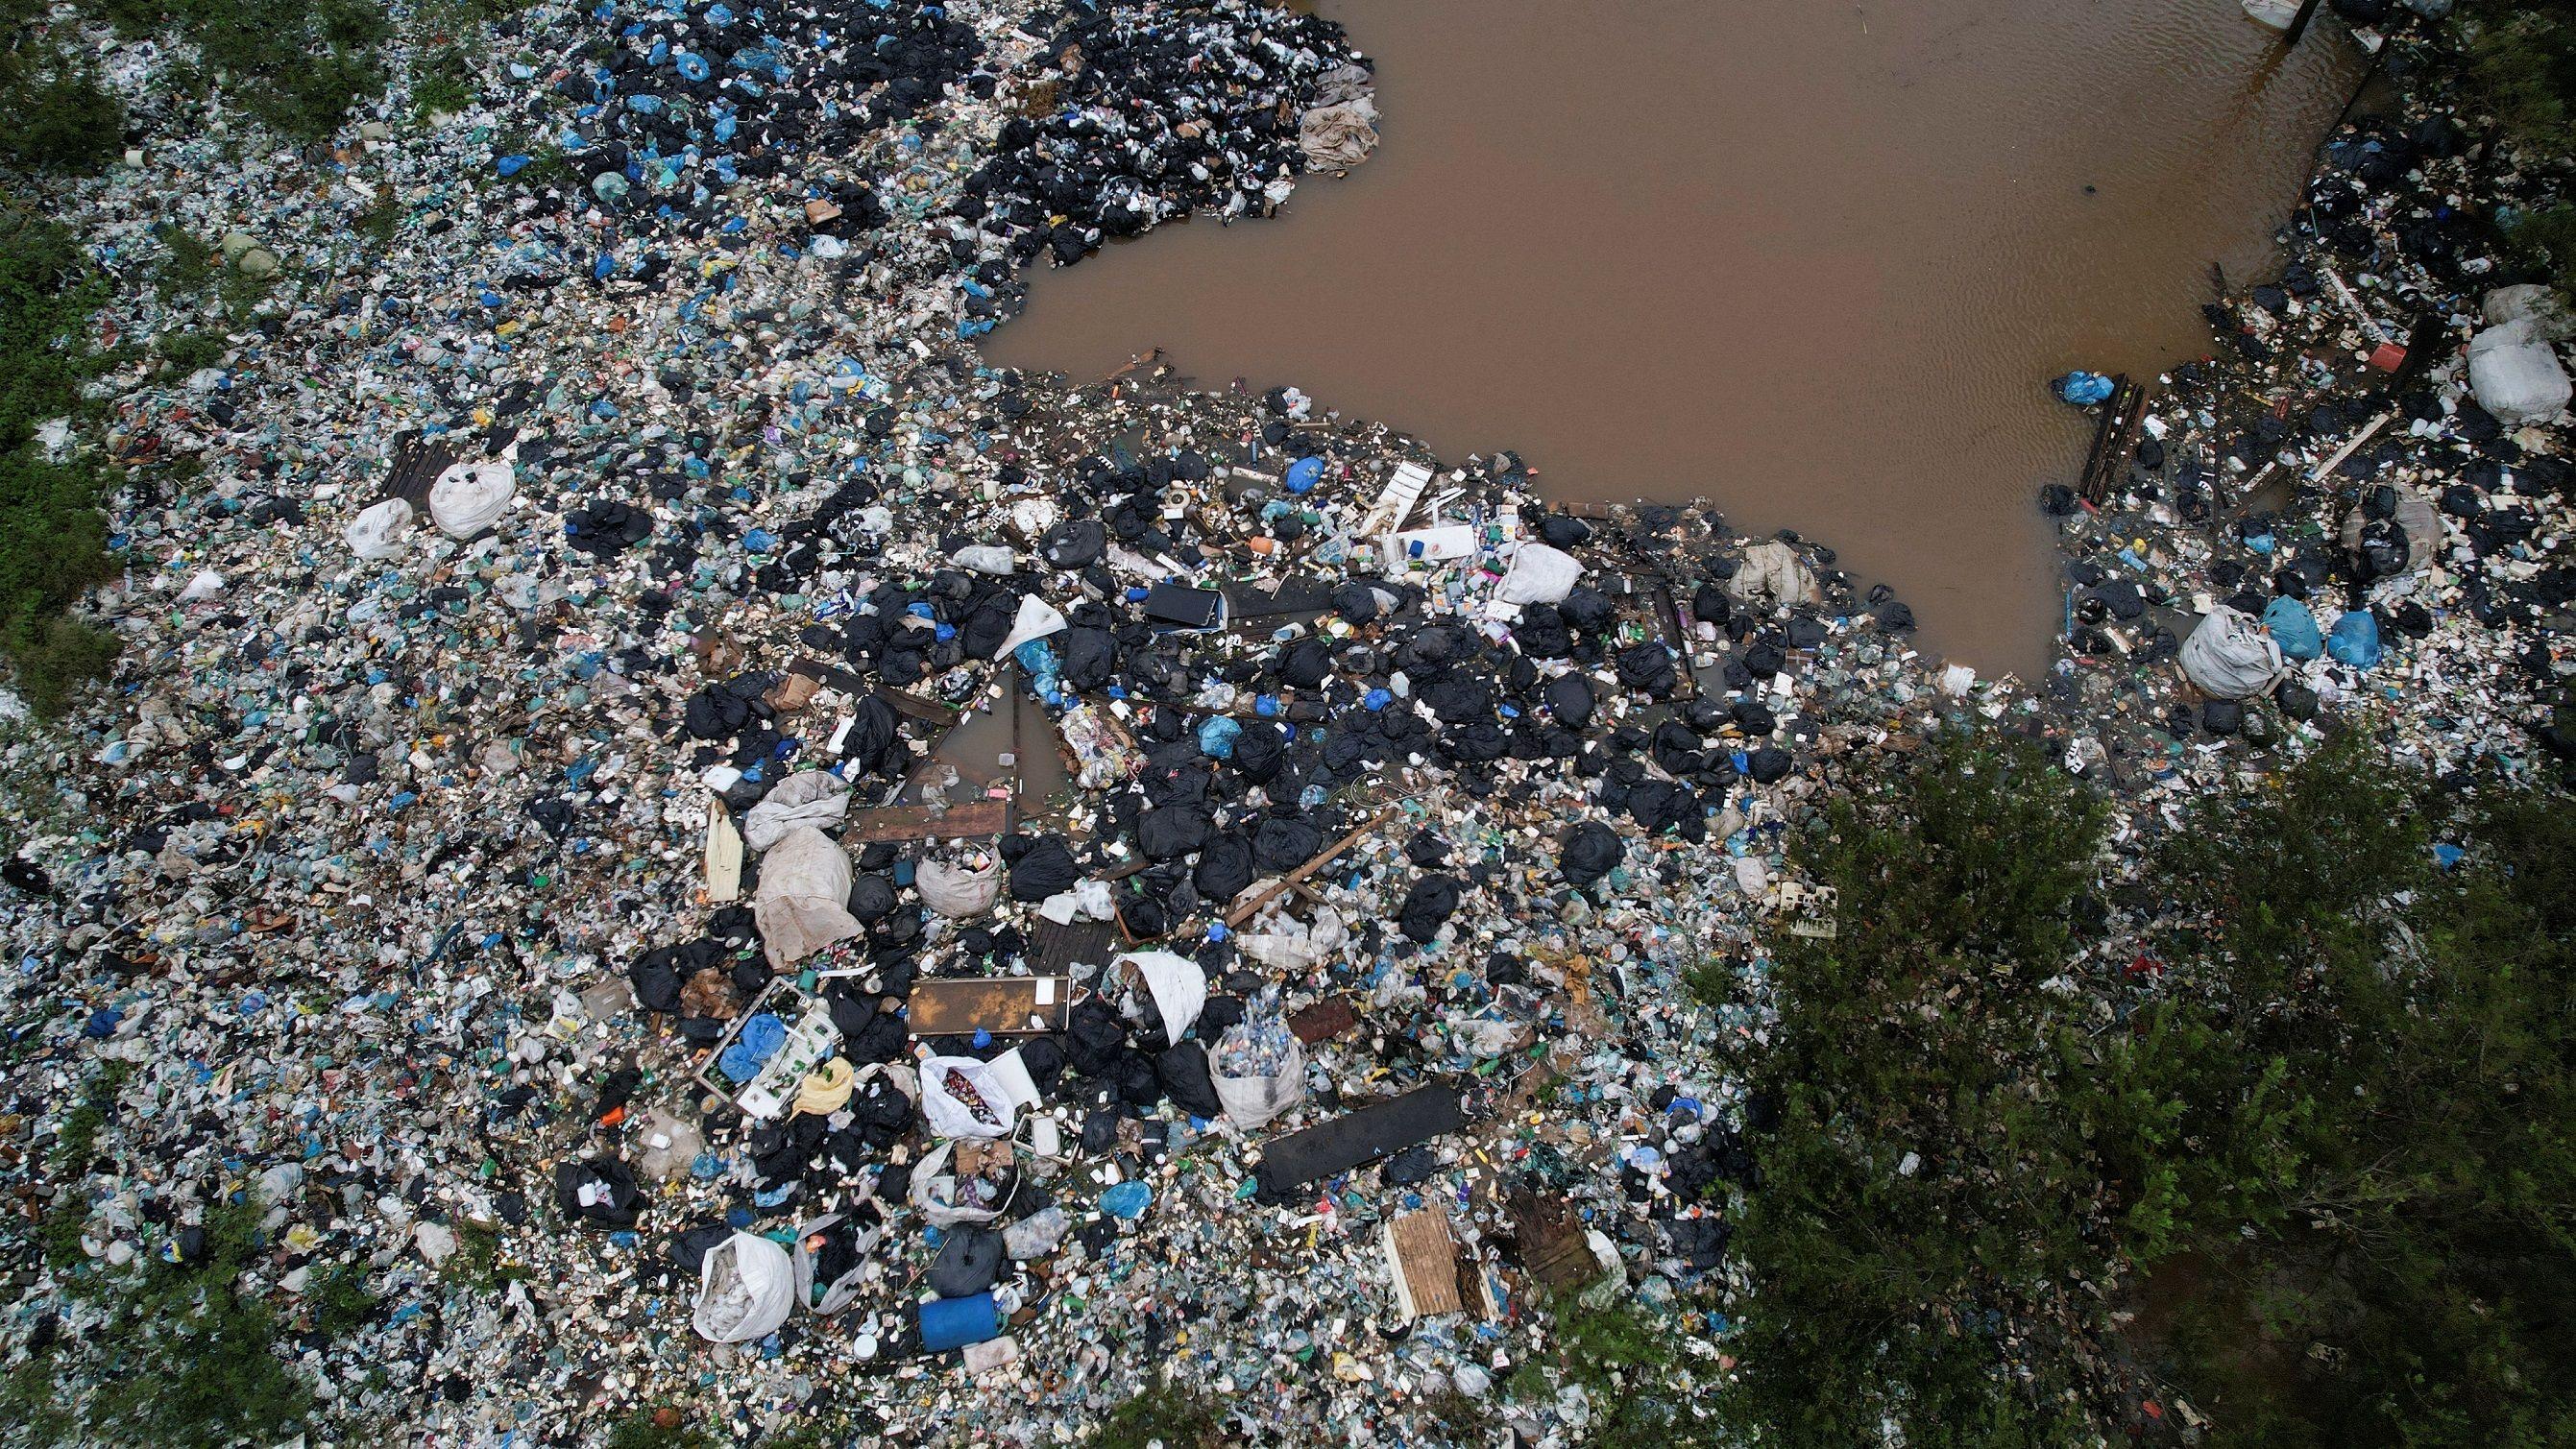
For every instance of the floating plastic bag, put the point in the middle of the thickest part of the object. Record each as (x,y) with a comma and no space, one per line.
(1036,620)
(960,890)
(470,497)
(802,905)
(2228,657)
(749,1290)
(2084,389)
(962,1097)
(1539,575)
(373,532)
(814,798)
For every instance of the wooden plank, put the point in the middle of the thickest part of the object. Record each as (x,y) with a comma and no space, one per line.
(1423,1259)
(1055,950)
(971,821)
(1258,899)
(723,856)
(1002,1005)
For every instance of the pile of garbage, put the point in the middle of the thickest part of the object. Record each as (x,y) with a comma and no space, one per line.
(2358,507)
(731,858)
(724,856)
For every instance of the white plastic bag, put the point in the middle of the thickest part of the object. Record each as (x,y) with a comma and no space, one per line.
(934,1192)
(807,798)
(836,1295)
(960,890)
(372,533)
(2516,375)
(803,903)
(748,1290)
(470,497)
(985,558)
(952,1112)
(1036,620)
(2229,657)
(1179,989)
(1539,575)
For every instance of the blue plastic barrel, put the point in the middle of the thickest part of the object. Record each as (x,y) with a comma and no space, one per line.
(948,1323)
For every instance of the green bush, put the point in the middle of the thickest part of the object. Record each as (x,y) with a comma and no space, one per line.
(1181,1418)
(2321,1109)
(186,1360)
(54,115)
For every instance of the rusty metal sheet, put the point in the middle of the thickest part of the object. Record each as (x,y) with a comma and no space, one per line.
(1002,1005)
(919,822)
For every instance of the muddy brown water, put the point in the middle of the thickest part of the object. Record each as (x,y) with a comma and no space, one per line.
(1814,261)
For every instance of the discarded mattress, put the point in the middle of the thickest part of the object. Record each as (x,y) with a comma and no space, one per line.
(1366,1135)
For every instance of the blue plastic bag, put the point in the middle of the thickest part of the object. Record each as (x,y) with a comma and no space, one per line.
(2084,389)
(1217,737)
(1304,474)
(2293,628)
(2355,640)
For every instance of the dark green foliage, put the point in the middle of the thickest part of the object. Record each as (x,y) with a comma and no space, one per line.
(188,269)
(2327,1113)
(1621,1357)
(53,540)
(2407,1274)
(1182,1418)
(54,114)
(1924,1027)
(189,1360)
(640,1432)
(296,64)
(2520,67)
(186,352)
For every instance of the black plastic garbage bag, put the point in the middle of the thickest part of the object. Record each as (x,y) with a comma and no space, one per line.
(1170,832)
(1283,843)
(970,1260)
(1569,700)
(1430,903)
(1183,1072)
(1074,544)
(1094,1037)
(1046,868)
(1224,869)
(1768,764)
(1589,851)
(655,975)
(1647,666)
(1087,657)
(614,1201)
(1259,752)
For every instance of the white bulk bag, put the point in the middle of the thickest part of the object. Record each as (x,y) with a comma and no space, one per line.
(950,1115)
(960,891)
(749,1289)
(2230,657)
(807,798)
(470,497)
(1773,571)
(1178,985)
(1539,575)
(1252,1101)
(372,533)
(803,903)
